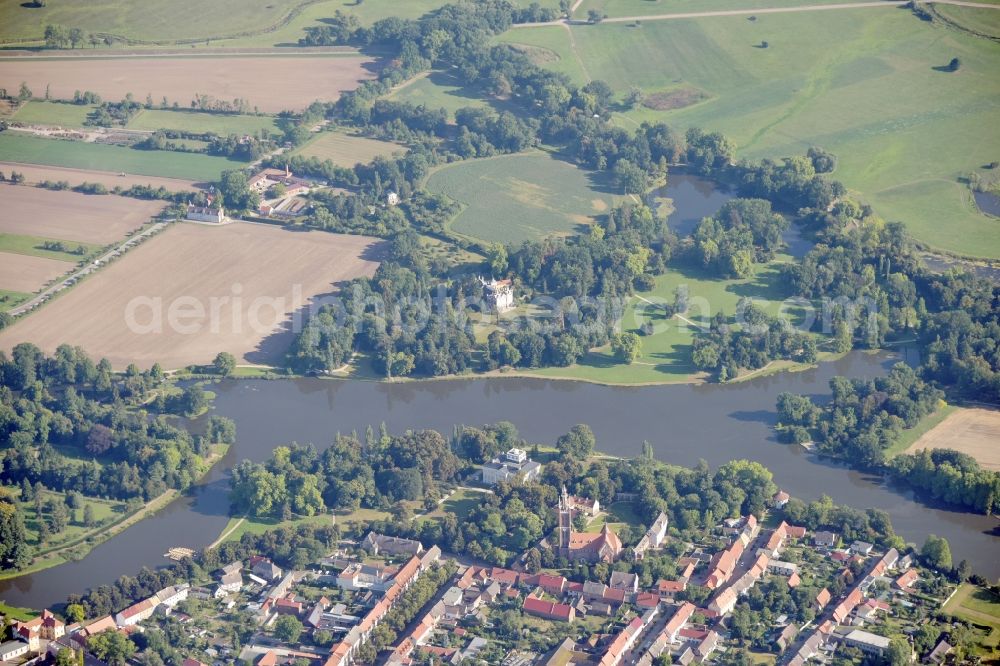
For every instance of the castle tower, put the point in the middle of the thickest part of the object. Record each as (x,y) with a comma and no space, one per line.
(565,522)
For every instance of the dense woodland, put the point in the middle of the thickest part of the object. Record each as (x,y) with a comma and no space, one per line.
(73,426)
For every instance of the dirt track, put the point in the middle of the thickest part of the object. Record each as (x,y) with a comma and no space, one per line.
(21,272)
(272,83)
(84,218)
(974,431)
(246,281)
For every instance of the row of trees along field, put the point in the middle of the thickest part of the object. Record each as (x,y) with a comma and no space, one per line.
(73,426)
(858,255)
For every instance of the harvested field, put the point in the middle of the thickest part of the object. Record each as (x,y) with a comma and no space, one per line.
(21,272)
(36,174)
(974,431)
(270,83)
(213,288)
(85,218)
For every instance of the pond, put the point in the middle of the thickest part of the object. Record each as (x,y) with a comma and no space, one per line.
(684,423)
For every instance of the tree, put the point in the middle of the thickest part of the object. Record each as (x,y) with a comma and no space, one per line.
(288,628)
(936,553)
(23,95)
(954,65)
(594,16)
(224,364)
(235,191)
(66,657)
(75,612)
(578,443)
(88,515)
(900,652)
(111,647)
(626,346)
(14,550)
(497,257)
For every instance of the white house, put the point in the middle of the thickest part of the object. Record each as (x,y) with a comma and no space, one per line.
(513,463)
(206,214)
(499,294)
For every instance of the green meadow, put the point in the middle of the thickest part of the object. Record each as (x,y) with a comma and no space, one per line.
(866,84)
(666,351)
(34,246)
(438,90)
(103,157)
(11,299)
(52,113)
(346,150)
(513,198)
(222,124)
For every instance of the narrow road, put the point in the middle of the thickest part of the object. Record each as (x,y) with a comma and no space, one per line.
(751,12)
(86,270)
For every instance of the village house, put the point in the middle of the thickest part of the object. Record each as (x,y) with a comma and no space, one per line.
(861,548)
(45,627)
(825,539)
(230,581)
(382,544)
(585,505)
(907,580)
(780,499)
(136,613)
(654,537)
(620,580)
(548,610)
(513,463)
(263,180)
(265,568)
(358,576)
(11,650)
(867,642)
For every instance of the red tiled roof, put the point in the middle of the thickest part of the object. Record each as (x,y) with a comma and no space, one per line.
(647,600)
(548,609)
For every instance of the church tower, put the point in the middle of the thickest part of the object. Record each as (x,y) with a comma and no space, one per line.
(565,523)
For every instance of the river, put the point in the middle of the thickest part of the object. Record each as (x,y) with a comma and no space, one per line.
(683,422)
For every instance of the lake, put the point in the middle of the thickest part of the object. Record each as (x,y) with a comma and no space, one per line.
(683,422)
(695,198)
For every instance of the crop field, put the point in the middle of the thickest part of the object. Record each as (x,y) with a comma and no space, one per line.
(514,198)
(640,8)
(38,112)
(270,83)
(666,353)
(866,84)
(69,216)
(36,174)
(975,431)
(196,290)
(346,150)
(25,273)
(193,121)
(116,159)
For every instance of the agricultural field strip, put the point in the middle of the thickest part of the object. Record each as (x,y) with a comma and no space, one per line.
(765,10)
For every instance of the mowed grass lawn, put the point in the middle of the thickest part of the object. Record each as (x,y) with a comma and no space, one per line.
(865,84)
(102,157)
(666,352)
(52,113)
(438,90)
(222,124)
(514,198)
(346,150)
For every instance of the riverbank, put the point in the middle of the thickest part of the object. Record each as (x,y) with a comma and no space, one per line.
(81,546)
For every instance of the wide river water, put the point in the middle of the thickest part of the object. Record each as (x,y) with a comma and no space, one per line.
(683,422)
